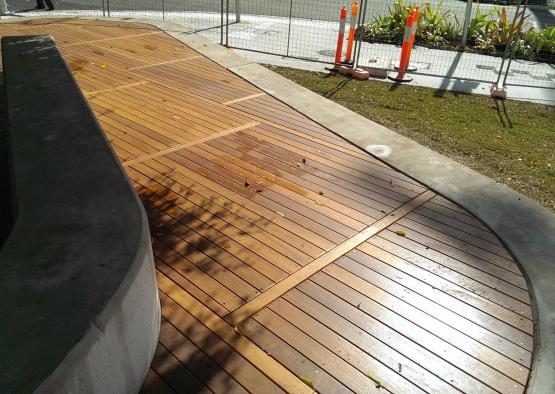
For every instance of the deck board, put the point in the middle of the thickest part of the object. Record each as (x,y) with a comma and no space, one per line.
(288,259)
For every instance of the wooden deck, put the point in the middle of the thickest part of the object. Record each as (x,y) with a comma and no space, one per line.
(288,259)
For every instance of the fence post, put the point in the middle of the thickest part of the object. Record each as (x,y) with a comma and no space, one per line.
(163,10)
(289,30)
(227,23)
(359,33)
(237,12)
(466,24)
(221,22)
(103,8)
(108,7)
(511,53)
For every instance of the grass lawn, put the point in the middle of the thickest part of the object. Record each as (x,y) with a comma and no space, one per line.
(512,142)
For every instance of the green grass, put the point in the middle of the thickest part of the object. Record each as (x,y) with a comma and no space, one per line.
(512,142)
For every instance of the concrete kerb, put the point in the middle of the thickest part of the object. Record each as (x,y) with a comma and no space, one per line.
(524,226)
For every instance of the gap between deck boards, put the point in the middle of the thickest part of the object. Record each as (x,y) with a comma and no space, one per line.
(261,360)
(256,304)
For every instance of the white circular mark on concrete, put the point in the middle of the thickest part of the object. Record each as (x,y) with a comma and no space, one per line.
(378,150)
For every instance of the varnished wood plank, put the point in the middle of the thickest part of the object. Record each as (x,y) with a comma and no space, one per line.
(406,288)
(304,273)
(153,384)
(249,97)
(444,335)
(267,365)
(383,251)
(203,368)
(191,143)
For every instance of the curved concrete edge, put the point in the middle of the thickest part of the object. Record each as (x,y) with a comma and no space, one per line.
(115,354)
(524,226)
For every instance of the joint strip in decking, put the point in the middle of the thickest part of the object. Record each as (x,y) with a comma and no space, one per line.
(129,85)
(110,39)
(250,351)
(240,99)
(190,143)
(166,62)
(280,288)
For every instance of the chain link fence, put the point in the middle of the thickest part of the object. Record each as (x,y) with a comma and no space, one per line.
(455,39)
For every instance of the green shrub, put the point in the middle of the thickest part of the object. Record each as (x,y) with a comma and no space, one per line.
(389,28)
(488,32)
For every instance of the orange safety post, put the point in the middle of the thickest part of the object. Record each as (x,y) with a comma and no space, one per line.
(352,28)
(408,42)
(340,37)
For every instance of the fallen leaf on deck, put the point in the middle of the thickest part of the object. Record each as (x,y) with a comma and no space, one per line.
(247,184)
(307,381)
(376,381)
(238,329)
(280,214)
(104,66)
(400,233)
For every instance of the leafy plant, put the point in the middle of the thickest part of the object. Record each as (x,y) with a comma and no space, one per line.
(506,29)
(481,24)
(489,32)
(436,27)
(389,28)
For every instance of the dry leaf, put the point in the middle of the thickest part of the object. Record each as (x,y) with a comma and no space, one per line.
(104,66)
(247,184)
(307,381)
(238,329)
(400,233)
(280,214)
(321,193)
(304,160)
(376,381)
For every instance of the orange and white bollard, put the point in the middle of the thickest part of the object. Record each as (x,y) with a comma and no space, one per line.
(352,29)
(408,42)
(340,37)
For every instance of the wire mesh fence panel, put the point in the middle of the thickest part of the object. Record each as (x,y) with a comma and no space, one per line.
(61,7)
(199,15)
(454,39)
(141,9)
(263,26)
(315,28)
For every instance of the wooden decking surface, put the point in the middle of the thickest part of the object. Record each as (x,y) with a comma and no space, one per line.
(288,259)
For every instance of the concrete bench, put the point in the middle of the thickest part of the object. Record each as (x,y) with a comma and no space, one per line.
(78,295)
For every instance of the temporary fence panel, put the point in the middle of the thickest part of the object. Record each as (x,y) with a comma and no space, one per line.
(308,29)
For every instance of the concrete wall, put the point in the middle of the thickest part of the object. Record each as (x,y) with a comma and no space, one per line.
(78,291)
